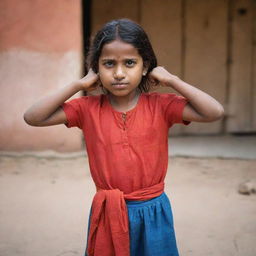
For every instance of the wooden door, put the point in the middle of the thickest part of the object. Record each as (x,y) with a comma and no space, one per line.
(242,83)
(190,39)
(209,44)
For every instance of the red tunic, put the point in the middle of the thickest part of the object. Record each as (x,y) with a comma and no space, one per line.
(128,158)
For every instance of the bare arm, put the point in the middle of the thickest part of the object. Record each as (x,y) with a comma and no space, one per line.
(47,111)
(201,108)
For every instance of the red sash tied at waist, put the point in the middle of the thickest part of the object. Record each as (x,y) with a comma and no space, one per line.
(109,224)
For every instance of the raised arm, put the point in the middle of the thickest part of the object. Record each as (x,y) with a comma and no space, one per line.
(201,107)
(47,111)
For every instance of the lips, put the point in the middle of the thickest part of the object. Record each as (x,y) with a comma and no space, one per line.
(119,85)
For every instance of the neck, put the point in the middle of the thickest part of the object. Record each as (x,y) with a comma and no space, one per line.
(124,103)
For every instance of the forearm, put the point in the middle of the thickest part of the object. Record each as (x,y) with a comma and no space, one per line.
(46,106)
(205,105)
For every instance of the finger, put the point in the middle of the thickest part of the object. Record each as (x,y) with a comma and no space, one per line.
(154,82)
(151,80)
(96,84)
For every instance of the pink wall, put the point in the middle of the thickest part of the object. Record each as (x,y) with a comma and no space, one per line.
(40,51)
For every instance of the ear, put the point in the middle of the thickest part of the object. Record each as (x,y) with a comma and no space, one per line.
(145,71)
(145,68)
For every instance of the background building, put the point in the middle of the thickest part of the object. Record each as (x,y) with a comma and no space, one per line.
(210,44)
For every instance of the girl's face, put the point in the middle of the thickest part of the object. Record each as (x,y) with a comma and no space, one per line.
(120,68)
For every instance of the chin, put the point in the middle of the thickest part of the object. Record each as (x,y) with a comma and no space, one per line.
(119,92)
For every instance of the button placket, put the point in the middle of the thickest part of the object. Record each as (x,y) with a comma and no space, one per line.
(125,135)
(124,120)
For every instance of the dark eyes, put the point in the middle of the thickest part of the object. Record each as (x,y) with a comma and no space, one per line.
(108,63)
(130,63)
(111,63)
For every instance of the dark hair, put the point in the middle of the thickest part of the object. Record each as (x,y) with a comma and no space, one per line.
(128,32)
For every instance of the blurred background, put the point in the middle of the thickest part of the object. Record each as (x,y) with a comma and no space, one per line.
(43,46)
(45,184)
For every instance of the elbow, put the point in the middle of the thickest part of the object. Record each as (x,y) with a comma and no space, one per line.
(28,120)
(214,115)
(218,114)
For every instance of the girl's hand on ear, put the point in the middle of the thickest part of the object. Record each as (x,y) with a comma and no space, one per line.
(89,82)
(160,76)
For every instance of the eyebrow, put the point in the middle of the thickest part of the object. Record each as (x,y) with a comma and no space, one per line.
(131,58)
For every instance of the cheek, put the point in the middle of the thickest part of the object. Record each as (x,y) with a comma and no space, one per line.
(137,75)
(105,79)
(104,74)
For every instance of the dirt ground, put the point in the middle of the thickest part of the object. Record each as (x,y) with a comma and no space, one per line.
(44,206)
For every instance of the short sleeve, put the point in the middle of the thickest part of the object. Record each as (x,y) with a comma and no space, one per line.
(75,110)
(173,106)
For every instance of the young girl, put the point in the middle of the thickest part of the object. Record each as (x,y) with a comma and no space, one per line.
(126,136)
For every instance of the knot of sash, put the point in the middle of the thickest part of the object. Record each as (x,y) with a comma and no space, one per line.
(109,223)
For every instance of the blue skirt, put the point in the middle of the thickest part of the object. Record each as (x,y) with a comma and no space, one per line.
(151,227)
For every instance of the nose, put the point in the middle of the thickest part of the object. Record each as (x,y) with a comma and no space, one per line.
(119,73)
